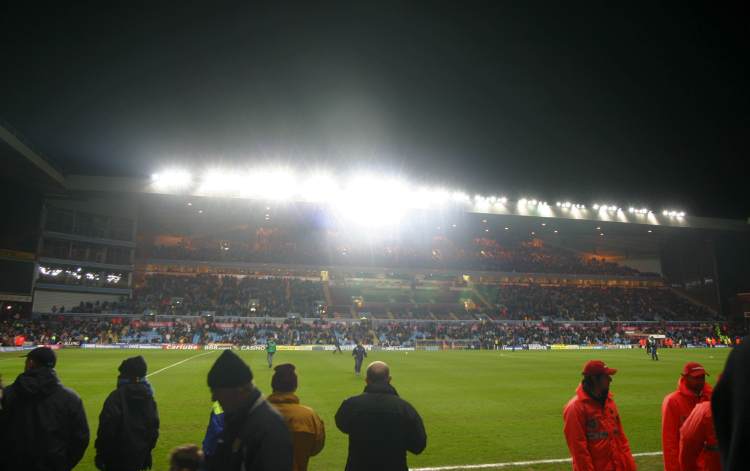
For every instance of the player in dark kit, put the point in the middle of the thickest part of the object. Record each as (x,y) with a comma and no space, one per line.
(654,348)
(359,353)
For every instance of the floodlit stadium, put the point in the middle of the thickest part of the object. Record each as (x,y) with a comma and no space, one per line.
(485,306)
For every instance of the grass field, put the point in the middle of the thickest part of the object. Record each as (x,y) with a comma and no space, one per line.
(478,406)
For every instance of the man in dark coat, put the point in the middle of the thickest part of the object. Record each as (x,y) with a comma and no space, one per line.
(359,353)
(381,426)
(730,405)
(255,436)
(129,421)
(42,423)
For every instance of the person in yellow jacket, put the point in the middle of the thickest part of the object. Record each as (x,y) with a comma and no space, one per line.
(307,429)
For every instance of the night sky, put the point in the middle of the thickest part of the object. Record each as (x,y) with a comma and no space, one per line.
(643,104)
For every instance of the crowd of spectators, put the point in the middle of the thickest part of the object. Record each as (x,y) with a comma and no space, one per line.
(519,256)
(72,330)
(261,297)
(595,303)
(226,296)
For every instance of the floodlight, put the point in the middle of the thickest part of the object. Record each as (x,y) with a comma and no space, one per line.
(277,184)
(171,180)
(219,182)
(319,187)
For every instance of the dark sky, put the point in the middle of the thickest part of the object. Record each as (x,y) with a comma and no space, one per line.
(639,104)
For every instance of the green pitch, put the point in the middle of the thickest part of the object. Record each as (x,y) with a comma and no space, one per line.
(478,407)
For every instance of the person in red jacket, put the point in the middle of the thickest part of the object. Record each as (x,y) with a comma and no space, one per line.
(592,424)
(699,448)
(691,390)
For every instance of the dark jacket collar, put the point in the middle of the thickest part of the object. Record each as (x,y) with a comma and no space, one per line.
(38,382)
(380,389)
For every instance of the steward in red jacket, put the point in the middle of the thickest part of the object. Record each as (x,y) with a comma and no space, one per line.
(699,448)
(592,425)
(691,390)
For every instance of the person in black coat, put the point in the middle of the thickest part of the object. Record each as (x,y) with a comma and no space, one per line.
(381,426)
(730,405)
(255,436)
(129,421)
(42,423)
(359,353)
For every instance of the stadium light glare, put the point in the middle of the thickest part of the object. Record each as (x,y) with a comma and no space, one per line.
(373,202)
(503,200)
(319,188)
(276,184)
(460,197)
(217,182)
(171,180)
(596,206)
(558,204)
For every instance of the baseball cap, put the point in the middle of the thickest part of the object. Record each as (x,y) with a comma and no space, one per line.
(43,356)
(597,367)
(693,368)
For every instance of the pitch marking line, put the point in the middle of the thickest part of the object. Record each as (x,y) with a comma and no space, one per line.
(512,463)
(179,363)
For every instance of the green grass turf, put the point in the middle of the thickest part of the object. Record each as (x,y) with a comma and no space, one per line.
(478,406)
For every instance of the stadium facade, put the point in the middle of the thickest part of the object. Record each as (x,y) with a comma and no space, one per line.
(72,239)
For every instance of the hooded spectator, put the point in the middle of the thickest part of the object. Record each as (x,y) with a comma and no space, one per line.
(42,423)
(129,421)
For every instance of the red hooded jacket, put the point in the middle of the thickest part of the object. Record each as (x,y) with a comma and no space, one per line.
(699,448)
(594,434)
(674,410)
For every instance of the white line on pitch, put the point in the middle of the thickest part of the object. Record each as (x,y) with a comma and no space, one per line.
(512,463)
(178,363)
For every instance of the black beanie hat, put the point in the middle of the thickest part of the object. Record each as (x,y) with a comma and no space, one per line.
(284,379)
(133,367)
(229,371)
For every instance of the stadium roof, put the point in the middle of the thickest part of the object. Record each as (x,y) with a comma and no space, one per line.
(612,216)
(19,161)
